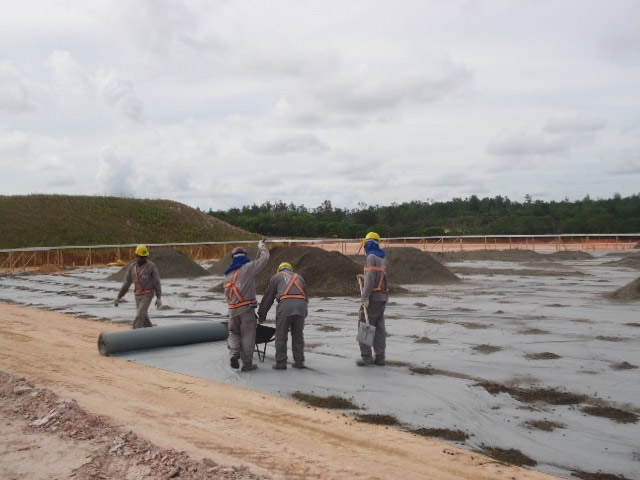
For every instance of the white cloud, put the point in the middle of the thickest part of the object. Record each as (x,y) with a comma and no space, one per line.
(116,173)
(526,144)
(288,143)
(15,90)
(352,95)
(628,162)
(396,102)
(105,85)
(577,125)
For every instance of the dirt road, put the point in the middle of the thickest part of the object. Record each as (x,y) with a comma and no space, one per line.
(231,425)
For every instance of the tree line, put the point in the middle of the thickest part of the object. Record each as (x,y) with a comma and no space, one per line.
(468,216)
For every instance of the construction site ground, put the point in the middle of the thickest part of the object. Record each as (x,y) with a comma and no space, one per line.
(516,359)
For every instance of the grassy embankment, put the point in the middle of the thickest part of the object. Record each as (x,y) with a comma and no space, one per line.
(57,220)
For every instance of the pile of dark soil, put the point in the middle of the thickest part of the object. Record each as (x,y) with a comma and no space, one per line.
(487,349)
(422,370)
(612,413)
(221,265)
(623,366)
(570,255)
(631,260)
(377,419)
(497,255)
(529,395)
(510,455)
(520,272)
(411,265)
(597,475)
(629,293)
(170,263)
(325,273)
(542,356)
(332,402)
(426,340)
(544,425)
(444,433)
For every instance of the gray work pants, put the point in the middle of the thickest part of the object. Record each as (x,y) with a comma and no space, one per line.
(295,323)
(242,336)
(376,318)
(142,308)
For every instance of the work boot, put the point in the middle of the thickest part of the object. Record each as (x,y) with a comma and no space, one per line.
(299,365)
(379,362)
(363,362)
(247,367)
(279,366)
(234,363)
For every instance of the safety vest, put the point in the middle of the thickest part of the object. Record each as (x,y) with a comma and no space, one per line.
(138,274)
(293,280)
(233,291)
(383,277)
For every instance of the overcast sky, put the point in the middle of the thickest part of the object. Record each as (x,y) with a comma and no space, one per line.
(225,103)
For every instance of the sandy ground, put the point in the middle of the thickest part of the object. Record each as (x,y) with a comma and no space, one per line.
(204,418)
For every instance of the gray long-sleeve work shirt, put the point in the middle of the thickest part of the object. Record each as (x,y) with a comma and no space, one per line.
(245,282)
(145,278)
(288,306)
(372,280)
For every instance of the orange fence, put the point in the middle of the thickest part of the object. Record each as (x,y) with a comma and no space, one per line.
(12,260)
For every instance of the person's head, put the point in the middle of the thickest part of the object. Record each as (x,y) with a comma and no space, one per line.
(238,253)
(369,239)
(285,265)
(142,252)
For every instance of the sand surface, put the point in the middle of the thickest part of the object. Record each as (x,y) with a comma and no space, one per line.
(205,418)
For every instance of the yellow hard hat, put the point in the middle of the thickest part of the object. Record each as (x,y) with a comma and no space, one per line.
(371,236)
(142,251)
(284,265)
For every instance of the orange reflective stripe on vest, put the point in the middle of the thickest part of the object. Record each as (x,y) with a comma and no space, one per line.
(293,280)
(233,290)
(138,290)
(383,276)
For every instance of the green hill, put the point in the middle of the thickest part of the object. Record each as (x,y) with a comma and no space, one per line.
(56,220)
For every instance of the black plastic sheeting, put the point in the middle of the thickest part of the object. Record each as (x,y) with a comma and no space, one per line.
(153,337)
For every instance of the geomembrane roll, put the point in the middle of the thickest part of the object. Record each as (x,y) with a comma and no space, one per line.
(153,337)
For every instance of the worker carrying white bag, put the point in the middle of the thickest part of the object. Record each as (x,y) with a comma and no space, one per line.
(373,298)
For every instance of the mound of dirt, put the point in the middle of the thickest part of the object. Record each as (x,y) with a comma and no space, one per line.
(221,265)
(570,255)
(329,274)
(629,293)
(496,255)
(629,261)
(409,265)
(170,263)
(50,268)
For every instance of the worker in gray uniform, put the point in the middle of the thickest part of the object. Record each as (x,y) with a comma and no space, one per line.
(374,298)
(144,275)
(290,290)
(240,292)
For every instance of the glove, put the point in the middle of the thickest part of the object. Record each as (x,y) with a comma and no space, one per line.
(116,302)
(158,302)
(261,244)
